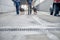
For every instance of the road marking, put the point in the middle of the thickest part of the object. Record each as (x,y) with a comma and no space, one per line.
(30,28)
(51,36)
(42,22)
(34,31)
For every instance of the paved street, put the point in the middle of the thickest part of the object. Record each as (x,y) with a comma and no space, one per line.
(11,19)
(49,18)
(40,21)
(42,26)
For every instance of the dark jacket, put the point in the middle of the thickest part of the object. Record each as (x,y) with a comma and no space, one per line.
(16,2)
(29,1)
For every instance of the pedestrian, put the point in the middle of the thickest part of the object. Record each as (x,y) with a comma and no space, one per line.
(29,6)
(17,5)
(56,6)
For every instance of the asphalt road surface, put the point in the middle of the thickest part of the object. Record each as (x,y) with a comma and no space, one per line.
(28,27)
(11,19)
(33,27)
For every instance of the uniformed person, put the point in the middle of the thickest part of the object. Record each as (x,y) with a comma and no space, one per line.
(17,5)
(29,6)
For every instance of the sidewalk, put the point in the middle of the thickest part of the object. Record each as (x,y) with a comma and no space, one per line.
(47,17)
(41,19)
(17,22)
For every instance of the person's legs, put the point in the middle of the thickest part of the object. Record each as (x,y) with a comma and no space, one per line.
(56,10)
(17,8)
(29,9)
(51,9)
(17,11)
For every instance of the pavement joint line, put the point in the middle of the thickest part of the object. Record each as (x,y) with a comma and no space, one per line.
(50,35)
(29,29)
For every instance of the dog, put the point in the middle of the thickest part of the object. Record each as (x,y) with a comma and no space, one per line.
(35,10)
(22,10)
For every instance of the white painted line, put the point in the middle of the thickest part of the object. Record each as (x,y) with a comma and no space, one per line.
(52,36)
(42,22)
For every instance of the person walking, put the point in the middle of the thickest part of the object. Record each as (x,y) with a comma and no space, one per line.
(56,7)
(17,5)
(29,6)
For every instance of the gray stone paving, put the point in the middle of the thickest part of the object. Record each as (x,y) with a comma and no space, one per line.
(12,20)
(16,20)
(9,19)
(49,18)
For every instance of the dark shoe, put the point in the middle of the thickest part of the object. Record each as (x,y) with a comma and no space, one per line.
(55,14)
(51,13)
(17,14)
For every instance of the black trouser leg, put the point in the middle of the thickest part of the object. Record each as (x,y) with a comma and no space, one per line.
(51,11)
(29,9)
(17,9)
(56,13)
(56,10)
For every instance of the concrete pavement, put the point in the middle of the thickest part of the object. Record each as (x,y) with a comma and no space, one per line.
(42,18)
(12,21)
(49,18)
(33,25)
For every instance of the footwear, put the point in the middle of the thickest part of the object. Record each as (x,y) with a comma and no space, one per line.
(17,14)
(55,14)
(51,13)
